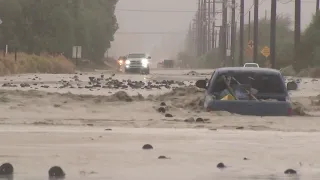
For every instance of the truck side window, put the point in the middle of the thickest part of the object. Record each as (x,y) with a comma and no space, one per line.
(209,82)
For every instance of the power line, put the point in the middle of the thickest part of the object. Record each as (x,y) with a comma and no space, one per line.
(155,10)
(261,2)
(292,1)
(194,11)
(145,33)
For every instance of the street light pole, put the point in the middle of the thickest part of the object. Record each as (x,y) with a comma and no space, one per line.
(233,33)
(256,31)
(297,30)
(241,41)
(273,33)
(223,32)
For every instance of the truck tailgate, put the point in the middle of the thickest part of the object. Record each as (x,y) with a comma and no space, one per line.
(256,108)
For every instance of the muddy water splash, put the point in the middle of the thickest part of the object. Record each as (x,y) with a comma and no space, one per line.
(190,98)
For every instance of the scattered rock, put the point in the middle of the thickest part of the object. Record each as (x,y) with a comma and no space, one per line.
(199,120)
(56,172)
(245,159)
(6,169)
(240,127)
(163,157)
(168,115)
(24,85)
(212,129)
(220,165)
(56,105)
(162,104)
(147,147)
(161,110)
(189,120)
(290,171)
(193,73)
(9,85)
(45,86)
(108,129)
(292,85)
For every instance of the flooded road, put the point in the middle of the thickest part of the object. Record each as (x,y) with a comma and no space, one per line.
(96,153)
(97,131)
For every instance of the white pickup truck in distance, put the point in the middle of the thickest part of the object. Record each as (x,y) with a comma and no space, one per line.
(139,62)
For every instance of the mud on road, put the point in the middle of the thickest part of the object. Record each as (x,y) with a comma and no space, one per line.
(107,99)
(94,126)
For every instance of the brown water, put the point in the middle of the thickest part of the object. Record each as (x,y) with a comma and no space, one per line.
(93,153)
(44,127)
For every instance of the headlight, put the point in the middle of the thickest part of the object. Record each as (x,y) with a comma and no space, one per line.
(127,62)
(144,61)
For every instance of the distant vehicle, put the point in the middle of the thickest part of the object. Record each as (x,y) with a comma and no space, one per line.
(138,62)
(167,63)
(251,65)
(160,64)
(247,91)
(120,62)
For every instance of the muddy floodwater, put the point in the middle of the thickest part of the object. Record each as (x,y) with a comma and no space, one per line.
(95,129)
(96,153)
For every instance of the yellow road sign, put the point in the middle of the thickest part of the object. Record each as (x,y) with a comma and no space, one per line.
(265,51)
(250,44)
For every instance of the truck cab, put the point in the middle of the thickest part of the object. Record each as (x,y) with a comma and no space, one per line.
(250,91)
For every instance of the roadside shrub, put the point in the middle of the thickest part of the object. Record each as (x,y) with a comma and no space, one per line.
(315,73)
(35,64)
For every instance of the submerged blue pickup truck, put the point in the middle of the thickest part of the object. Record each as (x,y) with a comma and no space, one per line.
(253,91)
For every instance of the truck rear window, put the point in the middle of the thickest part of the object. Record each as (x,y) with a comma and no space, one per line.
(264,83)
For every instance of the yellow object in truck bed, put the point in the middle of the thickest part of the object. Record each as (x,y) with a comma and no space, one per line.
(228,97)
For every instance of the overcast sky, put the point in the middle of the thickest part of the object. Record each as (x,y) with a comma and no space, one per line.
(168,44)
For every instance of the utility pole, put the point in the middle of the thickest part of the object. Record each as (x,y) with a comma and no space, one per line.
(201,28)
(273,33)
(223,32)
(205,23)
(209,26)
(233,33)
(215,38)
(249,24)
(317,6)
(241,40)
(256,30)
(198,22)
(297,29)
(194,36)
(213,23)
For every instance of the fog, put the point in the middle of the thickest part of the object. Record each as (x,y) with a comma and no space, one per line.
(162,33)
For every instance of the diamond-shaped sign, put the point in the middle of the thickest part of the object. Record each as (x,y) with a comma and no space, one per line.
(265,51)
